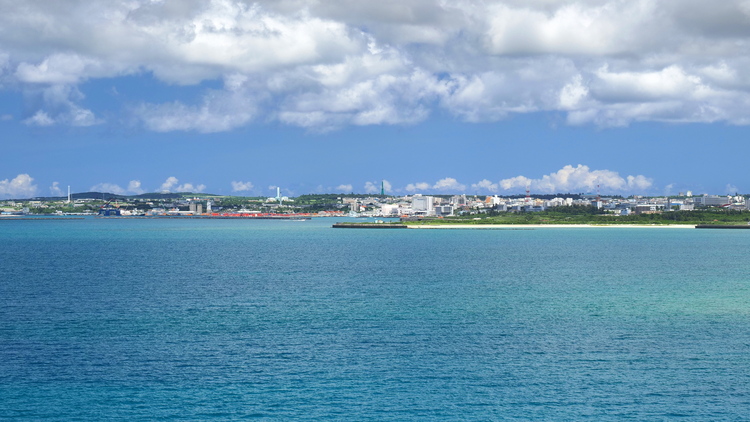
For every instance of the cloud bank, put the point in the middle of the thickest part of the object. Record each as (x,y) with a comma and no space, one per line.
(447,184)
(134,188)
(568,179)
(578,179)
(324,65)
(172,185)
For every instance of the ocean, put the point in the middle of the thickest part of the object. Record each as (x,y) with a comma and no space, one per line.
(151,319)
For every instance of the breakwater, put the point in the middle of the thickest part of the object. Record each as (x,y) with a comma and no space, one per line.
(369,226)
(721,226)
(40,218)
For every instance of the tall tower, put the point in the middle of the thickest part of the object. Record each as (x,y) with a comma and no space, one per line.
(528,193)
(69,194)
(382,187)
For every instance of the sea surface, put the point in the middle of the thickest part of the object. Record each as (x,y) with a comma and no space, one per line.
(136,319)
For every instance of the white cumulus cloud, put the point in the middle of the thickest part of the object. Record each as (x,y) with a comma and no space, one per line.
(108,188)
(59,68)
(485,185)
(219,111)
(134,186)
(168,184)
(417,187)
(189,187)
(449,184)
(58,104)
(40,118)
(344,188)
(446,185)
(21,186)
(579,178)
(322,65)
(55,190)
(241,186)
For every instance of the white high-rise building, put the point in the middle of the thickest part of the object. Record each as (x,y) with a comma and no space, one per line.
(422,205)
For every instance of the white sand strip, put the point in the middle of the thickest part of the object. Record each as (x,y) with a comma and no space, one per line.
(548,226)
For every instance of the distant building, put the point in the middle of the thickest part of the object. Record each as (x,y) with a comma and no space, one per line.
(389,210)
(649,208)
(196,207)
(492,201)
(533,208)
(459,200)
(422,205)
(444,210)
(711,201)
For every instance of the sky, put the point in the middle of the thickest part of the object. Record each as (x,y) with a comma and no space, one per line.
(646,97)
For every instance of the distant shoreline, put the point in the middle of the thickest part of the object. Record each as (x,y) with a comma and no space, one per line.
(551,226)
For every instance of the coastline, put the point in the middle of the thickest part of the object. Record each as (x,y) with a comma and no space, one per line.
(551,226)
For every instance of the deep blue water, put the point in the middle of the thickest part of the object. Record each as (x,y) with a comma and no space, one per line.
(280,320)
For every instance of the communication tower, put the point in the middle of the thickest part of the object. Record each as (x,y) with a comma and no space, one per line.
(528,193)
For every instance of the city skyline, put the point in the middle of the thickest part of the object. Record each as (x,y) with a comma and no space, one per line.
(235,98)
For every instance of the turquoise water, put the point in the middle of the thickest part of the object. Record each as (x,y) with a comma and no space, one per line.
(278,320)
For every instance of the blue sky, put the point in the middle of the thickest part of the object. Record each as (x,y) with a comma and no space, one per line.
(233,97)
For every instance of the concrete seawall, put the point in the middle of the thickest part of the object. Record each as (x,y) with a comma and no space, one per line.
(720,226)
(369,226)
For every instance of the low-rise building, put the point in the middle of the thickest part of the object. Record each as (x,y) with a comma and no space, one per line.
(711,201)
